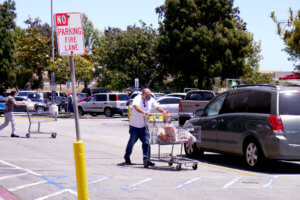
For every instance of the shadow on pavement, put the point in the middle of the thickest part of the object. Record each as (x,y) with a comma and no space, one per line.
(236,162)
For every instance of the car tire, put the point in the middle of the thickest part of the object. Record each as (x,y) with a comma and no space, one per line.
(108,112)
(80,111)
(252,154)
(40,109)
(192,151)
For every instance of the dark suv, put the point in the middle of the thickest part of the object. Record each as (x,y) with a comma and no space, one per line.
(255,122)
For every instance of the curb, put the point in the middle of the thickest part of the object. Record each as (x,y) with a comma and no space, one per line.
(5,195)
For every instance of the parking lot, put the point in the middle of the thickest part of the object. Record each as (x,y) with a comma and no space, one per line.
(41,167)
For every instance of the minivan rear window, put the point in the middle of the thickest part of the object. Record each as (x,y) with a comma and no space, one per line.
(289,103)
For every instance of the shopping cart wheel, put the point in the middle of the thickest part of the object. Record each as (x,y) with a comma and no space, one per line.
(28,135)
(178,167)
(170,164)
(53,135)
(195,166)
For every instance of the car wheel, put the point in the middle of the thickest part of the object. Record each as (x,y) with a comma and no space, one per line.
(253,155)
(108,112)
(80,111)
(39,109)
(192,151)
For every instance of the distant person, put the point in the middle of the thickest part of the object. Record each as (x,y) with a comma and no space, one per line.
(141,107)
(70,103)
(9,117)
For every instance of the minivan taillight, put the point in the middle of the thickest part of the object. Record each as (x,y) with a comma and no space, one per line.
(276,123)
(180,107)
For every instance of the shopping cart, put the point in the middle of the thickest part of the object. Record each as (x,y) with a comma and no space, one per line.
(156,124)
(39,118)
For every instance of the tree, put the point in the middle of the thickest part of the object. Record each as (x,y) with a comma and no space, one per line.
(289,31)
(84,69)
(33,57)
(203,39)
(91,35)
(132,53)
(7,44)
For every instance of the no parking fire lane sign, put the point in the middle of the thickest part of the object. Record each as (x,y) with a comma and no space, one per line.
(69,33)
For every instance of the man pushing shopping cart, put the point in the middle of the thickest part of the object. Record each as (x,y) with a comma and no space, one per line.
(138,129)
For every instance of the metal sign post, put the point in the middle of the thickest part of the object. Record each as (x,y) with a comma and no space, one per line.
(74,96)
(70,41)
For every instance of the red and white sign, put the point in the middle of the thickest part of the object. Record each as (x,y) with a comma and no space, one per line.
(69,33)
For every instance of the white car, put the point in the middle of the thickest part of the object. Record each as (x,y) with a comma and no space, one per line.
(181,95)
(168,103)
(30,104)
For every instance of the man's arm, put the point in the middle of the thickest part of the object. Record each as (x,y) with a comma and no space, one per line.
(138,108)
(18,104)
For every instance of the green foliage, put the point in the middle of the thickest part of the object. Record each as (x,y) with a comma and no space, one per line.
(256,77)
(203,39)
(7,44)
(91,35)
(33,57)
(131,53)
(84,69)
(289,31)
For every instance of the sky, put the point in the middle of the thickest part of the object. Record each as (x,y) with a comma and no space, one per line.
(121,13)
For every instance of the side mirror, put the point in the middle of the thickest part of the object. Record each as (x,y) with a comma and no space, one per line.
(199,113)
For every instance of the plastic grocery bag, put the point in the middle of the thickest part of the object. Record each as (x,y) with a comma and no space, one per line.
(186,136)
(161,137)
(170,133)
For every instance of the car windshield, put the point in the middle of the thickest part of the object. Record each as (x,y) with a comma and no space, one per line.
(289,103)
(24,93)
(123,97)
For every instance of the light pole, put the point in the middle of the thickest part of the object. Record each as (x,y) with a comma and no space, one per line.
(52,82)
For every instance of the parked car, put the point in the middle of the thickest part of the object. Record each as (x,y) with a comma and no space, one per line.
(29,104)
(289,77)
(255,122)
(168,103)
(41,102)
(81,96)
(194,100)
(91,91)
(25,93)
(133,95)
(107,103)
(2,104)
(158,94)
(60,99)
(181,95)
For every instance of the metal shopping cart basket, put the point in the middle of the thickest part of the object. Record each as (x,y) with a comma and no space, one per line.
(166,133)
(36,118)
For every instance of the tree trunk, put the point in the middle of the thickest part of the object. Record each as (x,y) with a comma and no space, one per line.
(200,81)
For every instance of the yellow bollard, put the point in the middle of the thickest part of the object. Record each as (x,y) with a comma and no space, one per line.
(80,166)
(129,112)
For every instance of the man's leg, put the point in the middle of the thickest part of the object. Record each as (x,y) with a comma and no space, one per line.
(6,122)
(132,140)
(11,118)
(145,137)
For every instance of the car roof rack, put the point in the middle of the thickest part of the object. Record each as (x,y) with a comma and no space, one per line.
(257,85)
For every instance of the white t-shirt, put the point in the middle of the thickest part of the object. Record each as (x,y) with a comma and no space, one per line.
(137,119)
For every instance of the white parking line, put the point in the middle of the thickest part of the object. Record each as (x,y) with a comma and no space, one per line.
(270,182)
(186,183)
(12,176)
(135,184)
(99,180)
(231,182)
(31,172)
(17,167)
(51,195)
(26,186)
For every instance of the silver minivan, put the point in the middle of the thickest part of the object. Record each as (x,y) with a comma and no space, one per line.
(107,103)
(257,122)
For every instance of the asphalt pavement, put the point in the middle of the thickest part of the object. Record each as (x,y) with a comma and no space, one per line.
(42,167)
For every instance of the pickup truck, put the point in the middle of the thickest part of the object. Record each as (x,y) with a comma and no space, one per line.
(194,100)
